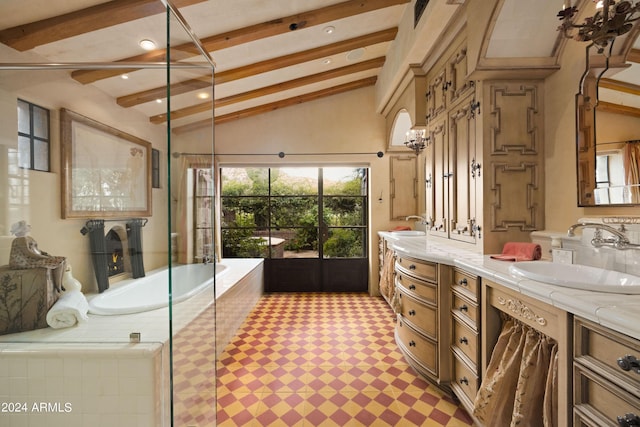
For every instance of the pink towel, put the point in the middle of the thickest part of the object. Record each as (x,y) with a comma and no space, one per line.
(519,251)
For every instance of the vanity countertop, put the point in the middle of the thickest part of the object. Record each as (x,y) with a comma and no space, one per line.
(616,311)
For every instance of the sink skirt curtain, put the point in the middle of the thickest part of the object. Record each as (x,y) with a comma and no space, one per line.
(521,387)
(387,286)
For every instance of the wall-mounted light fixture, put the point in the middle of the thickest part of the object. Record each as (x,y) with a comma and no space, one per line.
(416,140)
(612,19)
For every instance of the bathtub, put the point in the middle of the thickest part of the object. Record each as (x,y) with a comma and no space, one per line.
(129,382)
(151,292)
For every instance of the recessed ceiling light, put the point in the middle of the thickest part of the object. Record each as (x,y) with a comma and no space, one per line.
(329,29)
(203,95)
(147,44)
(124,76)
(326,61)
(158,101)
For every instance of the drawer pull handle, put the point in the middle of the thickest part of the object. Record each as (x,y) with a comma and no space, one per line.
(464,340)
(629,420)
(412,312)
(629,363)
(412,267)
(464,308)
(464,381)
(412,343)
(463,282)
(412,287)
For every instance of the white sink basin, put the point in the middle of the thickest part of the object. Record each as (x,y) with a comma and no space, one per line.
(408,233)
(577,276)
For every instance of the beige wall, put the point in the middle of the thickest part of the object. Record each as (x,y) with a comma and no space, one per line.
(41,205)
(560,145)
(345,123)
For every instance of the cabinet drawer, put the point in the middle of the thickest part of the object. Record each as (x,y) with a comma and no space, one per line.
(599,349)
(421,348)
(424,269)
(421,316)
(465,378)
(425,290)
(466,283)
(600,398)
(466,340)
(465,309)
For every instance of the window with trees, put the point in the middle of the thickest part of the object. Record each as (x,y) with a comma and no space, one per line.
(304,212)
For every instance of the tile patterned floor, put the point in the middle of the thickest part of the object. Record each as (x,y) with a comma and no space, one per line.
(312,359)
(194,376)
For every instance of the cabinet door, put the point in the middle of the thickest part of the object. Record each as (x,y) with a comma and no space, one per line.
(457,82)
(438,138)
(436,95)
(462,158)
(404,186)
(429,163)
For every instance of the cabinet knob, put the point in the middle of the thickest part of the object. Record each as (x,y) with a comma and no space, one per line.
(412,312)
(412,267)
(464,308)
(412,343)
(464,381)
(463,282)
(628,420)
(412,287)
(464,340)
(629,363)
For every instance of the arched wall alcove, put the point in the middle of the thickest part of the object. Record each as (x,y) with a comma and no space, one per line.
(401,125)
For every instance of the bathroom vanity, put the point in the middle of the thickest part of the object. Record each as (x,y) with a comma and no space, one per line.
(454,301)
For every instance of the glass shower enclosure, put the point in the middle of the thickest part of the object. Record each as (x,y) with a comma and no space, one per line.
(102,321)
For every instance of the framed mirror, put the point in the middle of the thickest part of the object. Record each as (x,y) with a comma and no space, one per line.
(106,173)
(608,127)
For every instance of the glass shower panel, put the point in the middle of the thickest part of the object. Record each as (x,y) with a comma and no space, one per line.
(104,360)
(189,123)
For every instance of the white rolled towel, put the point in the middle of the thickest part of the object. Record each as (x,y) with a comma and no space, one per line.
(71,308)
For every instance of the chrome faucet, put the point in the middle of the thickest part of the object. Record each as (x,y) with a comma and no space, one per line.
(206,259)
(618,240)
(423,220)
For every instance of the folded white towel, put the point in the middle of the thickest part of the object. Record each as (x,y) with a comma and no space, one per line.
(71,308)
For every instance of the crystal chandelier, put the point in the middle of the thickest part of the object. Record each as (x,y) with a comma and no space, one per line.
(612,19)
(416,140)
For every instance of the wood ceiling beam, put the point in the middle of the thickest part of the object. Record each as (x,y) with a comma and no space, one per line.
(369,81)
(634,56)
(260,67)
(268,90)
(27,36)
(619,86)
(618,109)
(248,34)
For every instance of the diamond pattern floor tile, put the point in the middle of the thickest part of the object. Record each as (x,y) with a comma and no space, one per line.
(312,359)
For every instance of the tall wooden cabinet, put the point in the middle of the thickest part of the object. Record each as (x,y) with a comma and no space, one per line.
(485,144)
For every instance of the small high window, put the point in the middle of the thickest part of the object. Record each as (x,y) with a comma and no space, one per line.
(33,136)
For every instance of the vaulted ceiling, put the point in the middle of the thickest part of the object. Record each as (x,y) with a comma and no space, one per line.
(268,54)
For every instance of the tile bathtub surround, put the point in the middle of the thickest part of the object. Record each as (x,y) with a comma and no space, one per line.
(324,359)
(76,387)
(81,369)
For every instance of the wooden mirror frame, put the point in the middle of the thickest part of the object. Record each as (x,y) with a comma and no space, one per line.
(106,173)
